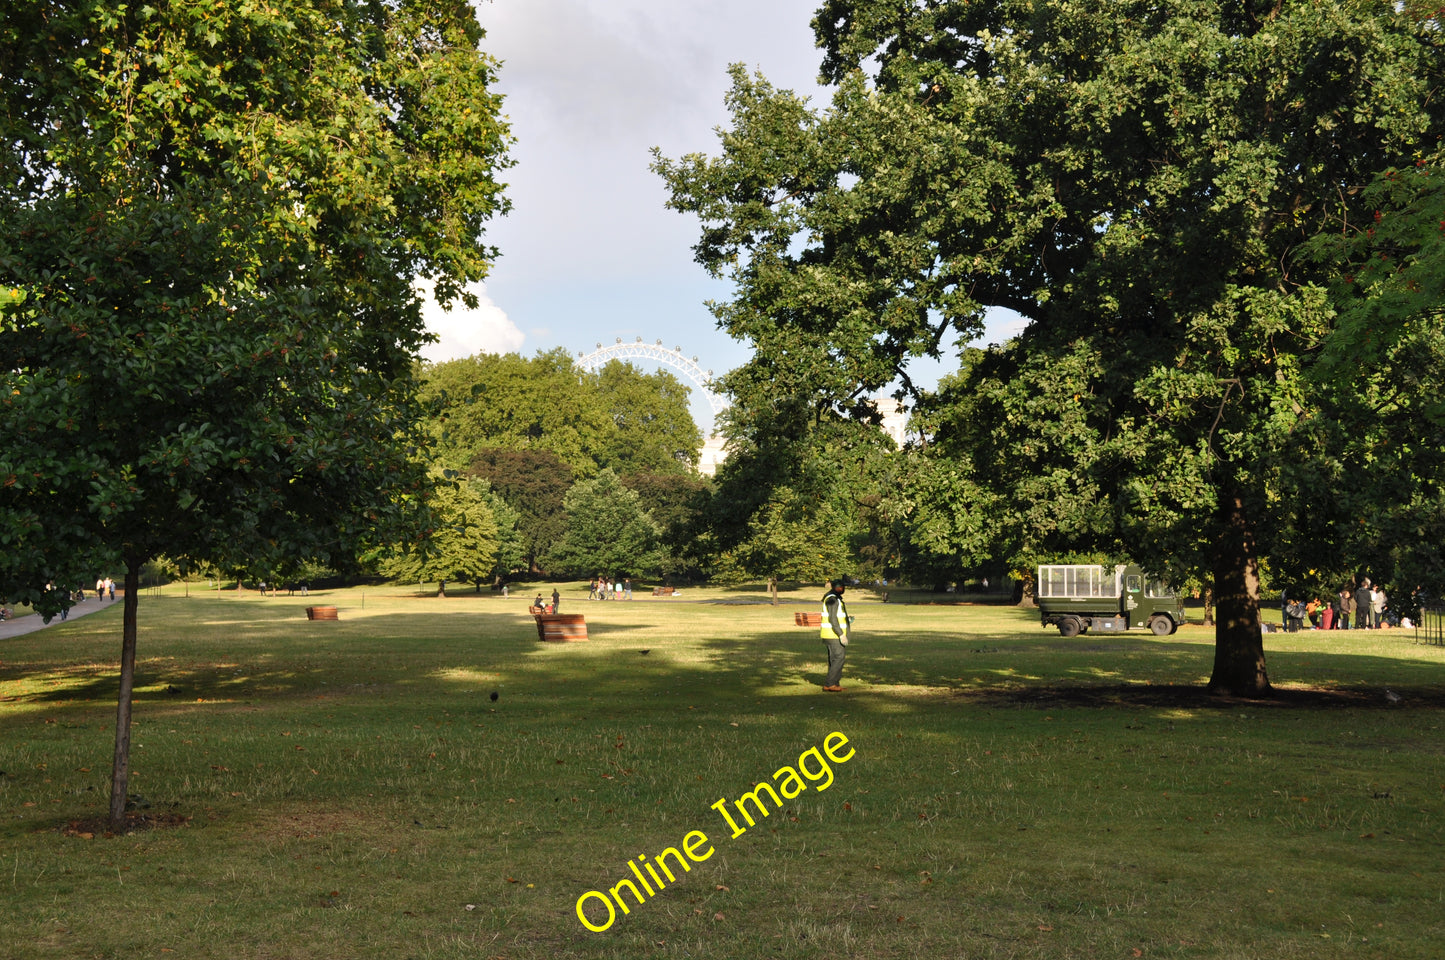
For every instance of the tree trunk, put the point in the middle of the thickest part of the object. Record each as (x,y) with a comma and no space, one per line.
(1208,596)
(1238,643)
(1026,594)
(120,767)
(773,589)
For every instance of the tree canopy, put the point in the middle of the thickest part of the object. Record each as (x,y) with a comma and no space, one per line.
(609,531)
(617,418)
(653,429)
(533,483)
(462,543)
(1141,181)
(220,215)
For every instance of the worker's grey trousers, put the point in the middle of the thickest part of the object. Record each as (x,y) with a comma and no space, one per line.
(836,652)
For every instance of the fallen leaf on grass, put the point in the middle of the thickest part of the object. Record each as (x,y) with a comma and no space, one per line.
(721,887)
(1045,928)
(511,880)
(718,915)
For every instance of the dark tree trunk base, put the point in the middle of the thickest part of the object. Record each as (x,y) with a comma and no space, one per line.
(1239,669)
(120,765)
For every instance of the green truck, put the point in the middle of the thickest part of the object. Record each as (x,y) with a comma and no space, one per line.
(1078,597)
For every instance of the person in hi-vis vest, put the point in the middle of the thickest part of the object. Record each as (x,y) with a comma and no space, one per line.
(834,632)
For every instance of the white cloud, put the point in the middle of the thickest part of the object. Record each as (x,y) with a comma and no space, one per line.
(464,333)
(590,251)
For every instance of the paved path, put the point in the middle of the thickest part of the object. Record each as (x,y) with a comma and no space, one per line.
(33,622)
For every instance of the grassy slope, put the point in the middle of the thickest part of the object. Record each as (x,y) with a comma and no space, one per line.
(353,791)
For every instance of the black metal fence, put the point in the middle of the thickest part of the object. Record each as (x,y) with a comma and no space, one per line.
(1431,628)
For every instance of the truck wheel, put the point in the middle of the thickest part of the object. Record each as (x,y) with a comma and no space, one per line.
(1070,627)
(1162,626)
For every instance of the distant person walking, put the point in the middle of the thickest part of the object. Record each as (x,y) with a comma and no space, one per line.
(627,588)
(834,632)
(556,599)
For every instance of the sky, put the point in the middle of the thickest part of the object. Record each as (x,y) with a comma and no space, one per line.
(589,253)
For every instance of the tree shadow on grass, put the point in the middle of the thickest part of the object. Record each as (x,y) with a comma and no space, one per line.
(1174,696)
(893,670)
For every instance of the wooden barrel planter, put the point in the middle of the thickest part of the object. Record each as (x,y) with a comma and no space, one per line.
(561,627)
(808,619)
(320,613)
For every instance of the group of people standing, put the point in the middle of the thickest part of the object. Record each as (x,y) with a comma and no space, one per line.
(606,588)
(1359,605)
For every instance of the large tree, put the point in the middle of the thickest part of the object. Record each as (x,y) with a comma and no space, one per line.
(462,542)
(677,502)
(652,428)
(1383,375)
(221,213)
(609,531)
(539,404)
(533,483)
(1137,180)
(618,417)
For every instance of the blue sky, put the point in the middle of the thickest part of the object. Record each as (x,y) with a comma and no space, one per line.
(589,253)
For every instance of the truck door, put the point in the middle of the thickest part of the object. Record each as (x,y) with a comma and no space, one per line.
(1133,587)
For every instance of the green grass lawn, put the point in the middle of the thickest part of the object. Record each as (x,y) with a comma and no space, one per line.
(350,789)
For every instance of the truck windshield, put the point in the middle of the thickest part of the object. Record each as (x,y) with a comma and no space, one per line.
(1158,588)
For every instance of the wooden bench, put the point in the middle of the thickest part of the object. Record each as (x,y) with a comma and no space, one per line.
(808,619)
(665,591)
(561,627)
(320,613)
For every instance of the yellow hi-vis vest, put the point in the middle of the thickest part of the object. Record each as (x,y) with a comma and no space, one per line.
(826,632)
